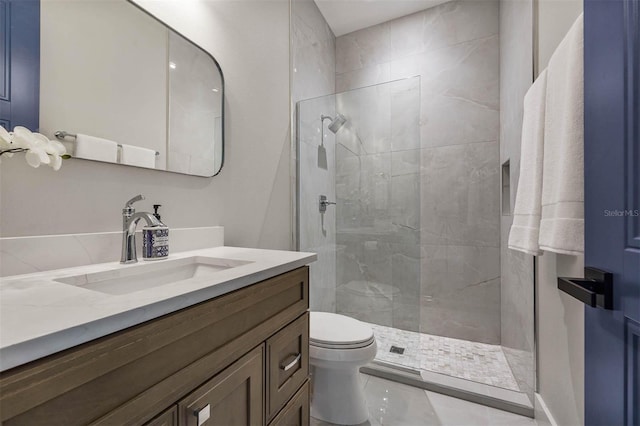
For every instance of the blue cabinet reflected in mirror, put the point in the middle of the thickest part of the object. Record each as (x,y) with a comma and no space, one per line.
(119,86)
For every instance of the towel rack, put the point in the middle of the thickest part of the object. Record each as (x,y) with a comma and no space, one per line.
(62,135)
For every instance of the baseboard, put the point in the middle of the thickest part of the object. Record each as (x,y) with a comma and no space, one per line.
(542,413)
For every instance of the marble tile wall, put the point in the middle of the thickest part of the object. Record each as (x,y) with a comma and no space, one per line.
(378,210)
(455,49)
(313,52)
(517,294)
(313,76)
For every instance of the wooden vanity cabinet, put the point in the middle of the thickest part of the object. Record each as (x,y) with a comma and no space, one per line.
(234,397)
(168,418)
(297,411)
(287,368)
(238,359)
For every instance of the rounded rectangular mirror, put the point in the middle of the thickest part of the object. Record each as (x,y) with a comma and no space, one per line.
(118,85)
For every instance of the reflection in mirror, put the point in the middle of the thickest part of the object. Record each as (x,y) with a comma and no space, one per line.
(119,86)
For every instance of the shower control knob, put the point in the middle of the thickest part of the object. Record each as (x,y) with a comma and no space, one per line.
(324,203)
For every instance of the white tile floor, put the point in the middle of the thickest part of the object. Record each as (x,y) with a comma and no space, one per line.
(479,362)
(395,404)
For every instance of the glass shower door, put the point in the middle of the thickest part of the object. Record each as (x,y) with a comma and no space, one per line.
(316,173)
(368,243)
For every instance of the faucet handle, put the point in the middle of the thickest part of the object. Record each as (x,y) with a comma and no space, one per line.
(128,209)
(137,198)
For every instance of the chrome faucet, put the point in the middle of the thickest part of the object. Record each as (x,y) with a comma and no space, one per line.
(130,220)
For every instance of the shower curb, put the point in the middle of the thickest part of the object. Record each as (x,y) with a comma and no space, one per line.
(435,384)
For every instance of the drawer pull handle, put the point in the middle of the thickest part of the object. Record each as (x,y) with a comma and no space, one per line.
(290,365)
(203,414)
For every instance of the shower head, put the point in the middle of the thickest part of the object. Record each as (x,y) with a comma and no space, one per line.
(336,123)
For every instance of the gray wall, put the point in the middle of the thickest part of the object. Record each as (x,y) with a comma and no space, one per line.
(516,292)
(251,197)
(454,47)
(560,318)
(313,60)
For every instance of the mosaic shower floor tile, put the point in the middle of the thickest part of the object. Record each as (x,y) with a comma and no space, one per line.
(479,362)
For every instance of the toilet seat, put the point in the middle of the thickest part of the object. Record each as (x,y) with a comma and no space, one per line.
(339,347)
(334,331)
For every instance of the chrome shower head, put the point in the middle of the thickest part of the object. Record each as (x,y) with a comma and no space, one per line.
(336,123)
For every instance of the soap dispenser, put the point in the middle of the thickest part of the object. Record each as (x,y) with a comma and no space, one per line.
(155,239)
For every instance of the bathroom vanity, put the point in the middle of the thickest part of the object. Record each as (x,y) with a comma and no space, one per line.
(227,348)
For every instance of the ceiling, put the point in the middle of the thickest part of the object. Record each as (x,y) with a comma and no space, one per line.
(345,16)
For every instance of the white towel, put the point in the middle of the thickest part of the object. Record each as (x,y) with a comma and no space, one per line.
(525,229)
(93,148)
(137,156)
(562,223)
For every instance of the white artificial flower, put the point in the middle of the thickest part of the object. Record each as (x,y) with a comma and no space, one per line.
(5,139)
(56,162)
(55,147)
(21,137)
(55,150)
(37,147)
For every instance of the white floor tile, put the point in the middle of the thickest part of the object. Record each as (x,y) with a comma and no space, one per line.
(457,412)
(392,403)
(395,404)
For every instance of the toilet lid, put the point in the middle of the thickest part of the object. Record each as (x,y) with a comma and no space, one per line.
(333,330)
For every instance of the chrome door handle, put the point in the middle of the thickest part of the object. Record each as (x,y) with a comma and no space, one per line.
(324,203)
(290,365)
(203,414)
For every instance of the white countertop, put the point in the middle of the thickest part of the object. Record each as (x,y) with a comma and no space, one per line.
(40,316)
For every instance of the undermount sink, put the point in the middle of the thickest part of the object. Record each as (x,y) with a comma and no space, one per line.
(151,275)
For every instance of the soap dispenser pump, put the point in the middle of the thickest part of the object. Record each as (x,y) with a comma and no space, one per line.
(155,239)
(155,211)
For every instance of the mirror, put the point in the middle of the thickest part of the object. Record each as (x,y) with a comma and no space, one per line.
(119,86)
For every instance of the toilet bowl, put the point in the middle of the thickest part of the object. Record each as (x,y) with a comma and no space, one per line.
(338,347)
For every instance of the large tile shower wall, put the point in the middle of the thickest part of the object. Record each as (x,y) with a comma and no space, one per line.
(454,48)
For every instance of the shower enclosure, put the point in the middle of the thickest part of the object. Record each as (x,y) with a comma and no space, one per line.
(368,242)
(390,219)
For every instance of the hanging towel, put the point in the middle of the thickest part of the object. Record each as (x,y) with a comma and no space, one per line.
(137,156)
(93,148)
(562,223)
(525,229)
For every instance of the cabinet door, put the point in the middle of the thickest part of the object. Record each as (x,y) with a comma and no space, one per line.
(287,363)
(168,418)
(233,397)
(296,412)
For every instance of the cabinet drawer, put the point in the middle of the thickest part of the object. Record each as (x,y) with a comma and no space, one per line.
(296,412)
(233,397)
(287,363)
(168,418)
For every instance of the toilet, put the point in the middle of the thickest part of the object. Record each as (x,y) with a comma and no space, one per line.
(338,347)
